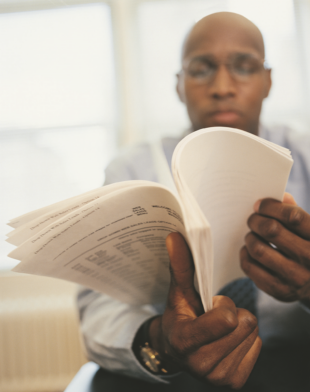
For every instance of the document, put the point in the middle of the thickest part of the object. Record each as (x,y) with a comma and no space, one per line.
(112,239)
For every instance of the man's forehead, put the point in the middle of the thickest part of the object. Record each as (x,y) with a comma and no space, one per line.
(223,34)
(222,53)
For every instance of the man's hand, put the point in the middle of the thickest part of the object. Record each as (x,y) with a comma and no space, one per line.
(277,251)
(220,346)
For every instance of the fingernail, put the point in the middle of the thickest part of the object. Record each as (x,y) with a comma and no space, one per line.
(256,205)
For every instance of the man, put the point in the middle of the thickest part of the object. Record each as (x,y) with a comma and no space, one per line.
(223,82)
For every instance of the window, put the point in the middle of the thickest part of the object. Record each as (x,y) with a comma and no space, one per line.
(57,99)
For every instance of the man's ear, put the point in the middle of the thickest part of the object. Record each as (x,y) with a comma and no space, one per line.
(268,82)
(180,87)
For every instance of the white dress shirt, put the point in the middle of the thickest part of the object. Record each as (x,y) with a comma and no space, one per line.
(109,326)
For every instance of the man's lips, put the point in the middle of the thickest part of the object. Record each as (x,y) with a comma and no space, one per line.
(225,116)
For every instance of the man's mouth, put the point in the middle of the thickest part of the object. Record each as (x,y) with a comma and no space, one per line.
(225,116)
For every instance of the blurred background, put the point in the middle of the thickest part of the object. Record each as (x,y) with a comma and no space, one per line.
(79,80)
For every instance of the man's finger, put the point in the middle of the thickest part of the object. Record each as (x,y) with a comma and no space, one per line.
(214,324)
(289,199)
(291,216)
(190,333)
(246,366)
(218,330)
(286,269)
(207,357)
(227,372)
(272,231)
(265,279)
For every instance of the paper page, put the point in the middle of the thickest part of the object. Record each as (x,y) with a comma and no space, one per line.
(199,240)
(29,216)
(23,219)
(115,245)
(227,170)
(60,209)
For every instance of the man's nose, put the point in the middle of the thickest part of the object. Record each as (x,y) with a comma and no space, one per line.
(222,85)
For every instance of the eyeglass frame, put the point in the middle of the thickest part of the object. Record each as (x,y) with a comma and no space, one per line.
(228,64)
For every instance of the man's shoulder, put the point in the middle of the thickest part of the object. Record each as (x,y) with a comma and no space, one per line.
(286,136)
(131,163)
(136,162)
(131,154)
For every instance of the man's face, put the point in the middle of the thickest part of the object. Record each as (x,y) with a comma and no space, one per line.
(223,81)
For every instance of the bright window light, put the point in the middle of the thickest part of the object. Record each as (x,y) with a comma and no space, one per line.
(57,102)
(56,68)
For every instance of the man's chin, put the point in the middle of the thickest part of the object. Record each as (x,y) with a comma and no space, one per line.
(228,124)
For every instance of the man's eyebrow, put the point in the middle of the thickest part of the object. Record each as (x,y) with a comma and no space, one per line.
(211,57)
(202,58)
(246,54)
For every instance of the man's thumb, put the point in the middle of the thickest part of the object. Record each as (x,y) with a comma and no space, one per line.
(181,262)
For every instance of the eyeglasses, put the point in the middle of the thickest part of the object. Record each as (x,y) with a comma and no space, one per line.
(241,67)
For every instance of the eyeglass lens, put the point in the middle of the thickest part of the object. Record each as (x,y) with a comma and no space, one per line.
(241,67)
